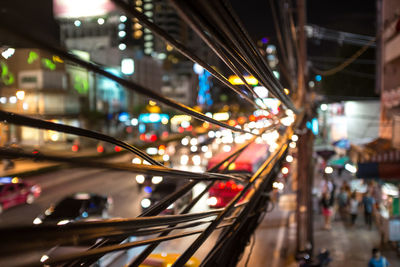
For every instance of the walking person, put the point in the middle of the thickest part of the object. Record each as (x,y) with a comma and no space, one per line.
(368,202)
(326,210)
(377,259)
(353,208)
(343,203)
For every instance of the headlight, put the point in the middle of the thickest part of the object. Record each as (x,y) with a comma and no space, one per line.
(140,179)
(212,201)
(44,258)
(145,203)
(156,179)
(136,161)
(37,220)
(170,207)
(62,222)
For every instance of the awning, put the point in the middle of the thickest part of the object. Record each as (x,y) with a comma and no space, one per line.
(384,171)
(340,162)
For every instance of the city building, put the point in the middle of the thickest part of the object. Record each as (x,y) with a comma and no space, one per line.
(388,62)
(34,83)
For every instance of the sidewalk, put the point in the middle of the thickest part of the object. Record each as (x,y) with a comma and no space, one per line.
(274,236)
(348,245)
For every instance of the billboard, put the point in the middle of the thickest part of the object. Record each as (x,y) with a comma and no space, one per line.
(69,9)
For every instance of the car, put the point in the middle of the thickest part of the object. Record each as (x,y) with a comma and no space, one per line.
(14,191)
(159,193)
(248,162)
(79,206)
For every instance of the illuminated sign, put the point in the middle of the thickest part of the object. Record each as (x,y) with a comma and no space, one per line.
(204,95)
(67,9)
(235,80)
(152,117)
(32,57)
(180,118)
(6,77)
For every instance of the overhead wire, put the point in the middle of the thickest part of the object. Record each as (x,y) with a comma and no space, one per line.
(347,62)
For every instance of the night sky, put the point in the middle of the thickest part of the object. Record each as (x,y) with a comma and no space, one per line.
(355,16)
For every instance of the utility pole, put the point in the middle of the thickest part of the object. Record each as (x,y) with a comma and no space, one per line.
(304,211)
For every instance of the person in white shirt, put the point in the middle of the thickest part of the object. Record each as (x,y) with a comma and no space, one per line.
(353,204)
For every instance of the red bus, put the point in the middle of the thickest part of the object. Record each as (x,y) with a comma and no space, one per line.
(221,193)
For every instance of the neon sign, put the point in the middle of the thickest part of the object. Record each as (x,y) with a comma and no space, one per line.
(152,117)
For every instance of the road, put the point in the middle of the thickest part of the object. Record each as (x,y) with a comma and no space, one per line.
(122,187)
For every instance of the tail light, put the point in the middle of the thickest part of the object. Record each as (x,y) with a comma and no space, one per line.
(36,190)
(75,148)
(153,138)
(100,149)
(117,148)
(221,185)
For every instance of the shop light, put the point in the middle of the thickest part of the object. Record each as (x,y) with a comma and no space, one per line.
(350,168)
(134,122)
(8,53)
(235,80)
(12,99)
(122,46)
(140,179)
(100,21)
(328,170)
(127,66)
(184,159)
(156,179)
(289,158)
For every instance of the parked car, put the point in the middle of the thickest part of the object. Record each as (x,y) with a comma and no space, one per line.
(79,206)
(14,191)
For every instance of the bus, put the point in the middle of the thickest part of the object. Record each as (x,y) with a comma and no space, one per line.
(249,161)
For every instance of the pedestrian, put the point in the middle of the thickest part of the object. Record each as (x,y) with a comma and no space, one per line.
(377,260)
(368,202)
(343,203)
(353,208)
(326,210)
